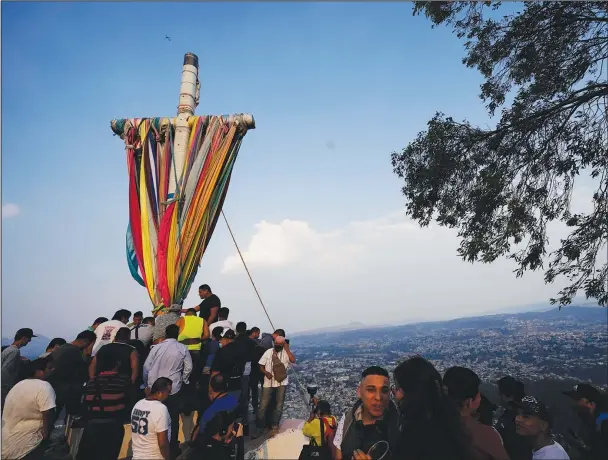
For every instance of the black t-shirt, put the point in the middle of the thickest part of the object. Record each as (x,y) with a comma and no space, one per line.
(229,362)
(70,367)
(207,304)
(121,352)
(248,348)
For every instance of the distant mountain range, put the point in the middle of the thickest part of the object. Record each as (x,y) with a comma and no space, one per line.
(580,314)
(347,327)
(530,308)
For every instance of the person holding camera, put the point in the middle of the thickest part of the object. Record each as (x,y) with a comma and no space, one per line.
(219,436)
(274,365)
(321,426)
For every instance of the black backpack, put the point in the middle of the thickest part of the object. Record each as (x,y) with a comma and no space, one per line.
(313,451)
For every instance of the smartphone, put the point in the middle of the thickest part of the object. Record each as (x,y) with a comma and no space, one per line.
(287,341)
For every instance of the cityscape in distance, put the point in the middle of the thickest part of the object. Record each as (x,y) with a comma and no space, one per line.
(548,350)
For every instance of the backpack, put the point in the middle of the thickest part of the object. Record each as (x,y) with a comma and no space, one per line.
(278,368)
(322,452)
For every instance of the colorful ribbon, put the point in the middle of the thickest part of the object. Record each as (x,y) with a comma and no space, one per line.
(166,240)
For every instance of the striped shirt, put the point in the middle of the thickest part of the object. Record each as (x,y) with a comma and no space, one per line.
(106,396)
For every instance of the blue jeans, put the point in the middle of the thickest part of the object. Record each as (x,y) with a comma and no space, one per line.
(277,411)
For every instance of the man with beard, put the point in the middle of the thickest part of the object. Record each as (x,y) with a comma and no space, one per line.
(210,305)
(592,408)
(373,418)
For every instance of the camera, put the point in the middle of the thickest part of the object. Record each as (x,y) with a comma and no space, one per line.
(312,391)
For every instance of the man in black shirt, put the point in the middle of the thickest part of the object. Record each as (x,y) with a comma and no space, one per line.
(248,353)
(70,374)
(256,378)
(122,352)
(229,363)
(210,306)
(592,408)
(511,391)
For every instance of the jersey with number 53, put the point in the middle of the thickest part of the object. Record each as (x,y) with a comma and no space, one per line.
(148,418)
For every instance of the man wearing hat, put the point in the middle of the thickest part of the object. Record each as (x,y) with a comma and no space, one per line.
(592,408)
(534,422)
(11,360)
(510,391)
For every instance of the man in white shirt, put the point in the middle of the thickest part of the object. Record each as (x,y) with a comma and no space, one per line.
(151,424)
(280,353)
(143,332)
(106,332)
(222,321)
(534,421)
(170,359)
(29,412)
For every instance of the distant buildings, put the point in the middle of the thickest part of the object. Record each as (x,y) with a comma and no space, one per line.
(528,346)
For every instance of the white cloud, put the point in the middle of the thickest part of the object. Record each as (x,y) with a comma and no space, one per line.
(379,271)
(287,243)
(10,210)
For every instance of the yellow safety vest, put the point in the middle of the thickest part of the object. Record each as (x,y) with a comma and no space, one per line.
(193,329)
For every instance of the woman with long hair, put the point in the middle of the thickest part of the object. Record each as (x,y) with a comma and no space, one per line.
(430,422)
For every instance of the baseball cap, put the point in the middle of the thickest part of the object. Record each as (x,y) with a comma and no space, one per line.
(24,332)
(584,391)
(228,334)
(529,405)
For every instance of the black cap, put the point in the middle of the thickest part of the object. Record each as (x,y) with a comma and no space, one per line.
(529,405)
(24,332)
(584,391)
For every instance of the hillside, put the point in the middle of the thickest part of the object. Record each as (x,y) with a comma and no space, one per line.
(569,315)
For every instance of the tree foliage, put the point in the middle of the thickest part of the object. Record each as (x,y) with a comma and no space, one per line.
(501,186)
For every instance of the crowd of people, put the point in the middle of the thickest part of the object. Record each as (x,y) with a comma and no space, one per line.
(146,373)
(423,415)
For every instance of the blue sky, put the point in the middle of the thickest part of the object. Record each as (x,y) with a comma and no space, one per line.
(334,88)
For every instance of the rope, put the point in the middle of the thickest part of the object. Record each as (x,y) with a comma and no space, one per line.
(247,270)
(302,390)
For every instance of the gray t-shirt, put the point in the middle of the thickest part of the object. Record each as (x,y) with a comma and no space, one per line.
(11,360)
